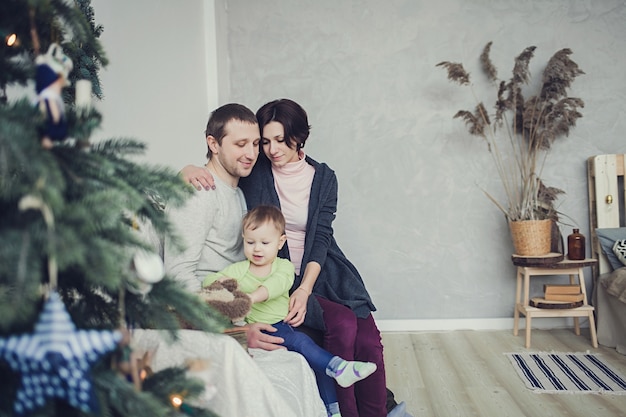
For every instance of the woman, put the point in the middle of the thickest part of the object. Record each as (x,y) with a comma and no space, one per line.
(306,192)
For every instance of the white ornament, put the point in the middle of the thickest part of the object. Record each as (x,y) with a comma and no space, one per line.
(149,270)
(83,95)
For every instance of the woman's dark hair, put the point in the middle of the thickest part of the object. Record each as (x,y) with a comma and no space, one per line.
(289,114)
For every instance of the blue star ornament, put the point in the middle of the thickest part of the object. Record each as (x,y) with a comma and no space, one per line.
(54,361)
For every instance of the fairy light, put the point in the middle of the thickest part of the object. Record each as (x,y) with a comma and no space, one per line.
(176,400)
(11,39)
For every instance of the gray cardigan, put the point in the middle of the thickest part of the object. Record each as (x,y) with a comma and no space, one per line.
(339,280)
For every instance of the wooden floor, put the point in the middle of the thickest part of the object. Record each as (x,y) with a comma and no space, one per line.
(465,373)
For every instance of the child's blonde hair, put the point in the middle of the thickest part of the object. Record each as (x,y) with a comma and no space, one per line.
(264,214)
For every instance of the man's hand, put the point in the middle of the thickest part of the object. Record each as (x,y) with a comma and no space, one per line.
(258,339)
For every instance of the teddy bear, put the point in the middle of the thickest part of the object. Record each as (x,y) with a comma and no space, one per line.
(224,295)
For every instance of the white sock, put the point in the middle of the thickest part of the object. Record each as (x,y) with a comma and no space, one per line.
(349,372)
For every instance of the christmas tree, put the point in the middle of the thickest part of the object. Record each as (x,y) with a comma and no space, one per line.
(75,269)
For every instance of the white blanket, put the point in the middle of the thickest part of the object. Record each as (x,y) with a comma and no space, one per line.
(611,314)
(615,284)
(269,384)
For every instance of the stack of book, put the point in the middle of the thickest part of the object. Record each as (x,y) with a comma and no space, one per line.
(562,292)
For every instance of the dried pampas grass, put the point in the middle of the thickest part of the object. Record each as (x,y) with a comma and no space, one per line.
(523,130)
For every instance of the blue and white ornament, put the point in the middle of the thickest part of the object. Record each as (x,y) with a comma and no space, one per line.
(52,75)
(55,360)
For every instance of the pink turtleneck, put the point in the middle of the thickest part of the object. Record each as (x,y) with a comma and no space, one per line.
(293,185)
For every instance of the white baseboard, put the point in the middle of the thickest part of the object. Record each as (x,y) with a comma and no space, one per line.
(438,325)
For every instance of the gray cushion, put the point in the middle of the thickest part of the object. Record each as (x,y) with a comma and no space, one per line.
(607,238)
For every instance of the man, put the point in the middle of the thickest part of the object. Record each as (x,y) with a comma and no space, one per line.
(210,223)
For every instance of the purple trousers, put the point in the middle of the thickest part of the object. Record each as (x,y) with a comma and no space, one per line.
(353,338)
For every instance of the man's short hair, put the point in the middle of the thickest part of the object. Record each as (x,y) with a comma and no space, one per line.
(216,126)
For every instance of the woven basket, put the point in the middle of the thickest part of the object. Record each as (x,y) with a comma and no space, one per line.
(531,237)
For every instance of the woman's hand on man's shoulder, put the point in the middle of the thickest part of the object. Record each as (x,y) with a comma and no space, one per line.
(199,177)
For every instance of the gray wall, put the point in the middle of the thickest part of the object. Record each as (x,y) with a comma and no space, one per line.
(411,214)
(155,85)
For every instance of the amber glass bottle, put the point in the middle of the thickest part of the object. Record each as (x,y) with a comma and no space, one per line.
(576,246)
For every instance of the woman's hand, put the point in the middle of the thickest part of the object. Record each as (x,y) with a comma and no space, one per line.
(199,177)
(297,307)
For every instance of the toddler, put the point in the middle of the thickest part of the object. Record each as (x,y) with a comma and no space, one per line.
(267,280)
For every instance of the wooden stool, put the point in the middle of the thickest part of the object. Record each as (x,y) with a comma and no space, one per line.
(535,266)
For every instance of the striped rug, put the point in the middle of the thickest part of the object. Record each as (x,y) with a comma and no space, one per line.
(567,373)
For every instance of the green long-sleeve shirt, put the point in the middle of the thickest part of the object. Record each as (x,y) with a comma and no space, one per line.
(277,283)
